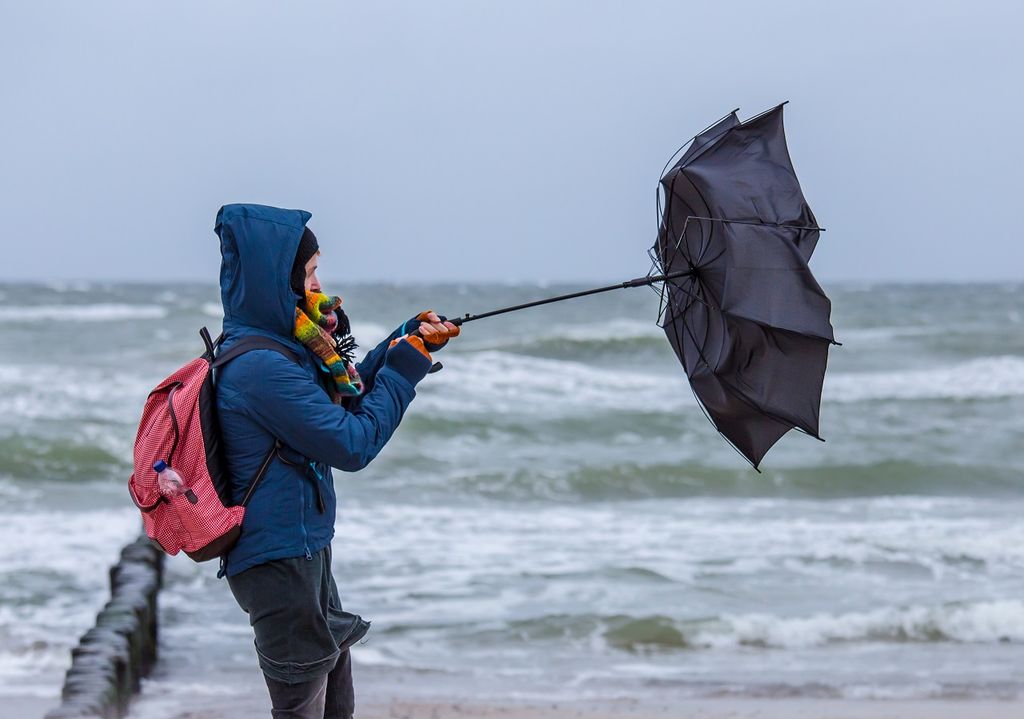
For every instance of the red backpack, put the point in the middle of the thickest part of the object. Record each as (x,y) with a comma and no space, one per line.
(179,427)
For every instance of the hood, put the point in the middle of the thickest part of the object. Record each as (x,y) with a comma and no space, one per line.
(257,247)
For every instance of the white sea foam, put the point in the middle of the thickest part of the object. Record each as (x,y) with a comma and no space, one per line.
(368,334)
(104,312)
(495,381)
(881,335)
(71,286)
(213,309)
(981,622)
(620,329)
(981,378)
(70,552)
(617,328)
(31,392)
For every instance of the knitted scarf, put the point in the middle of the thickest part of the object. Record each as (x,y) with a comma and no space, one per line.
(315,323)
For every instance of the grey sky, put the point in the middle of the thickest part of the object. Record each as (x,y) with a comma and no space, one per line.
(514,140)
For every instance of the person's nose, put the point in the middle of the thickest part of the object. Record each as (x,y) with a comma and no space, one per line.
(315,284)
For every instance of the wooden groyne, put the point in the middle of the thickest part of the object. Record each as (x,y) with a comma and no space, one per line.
(113,656)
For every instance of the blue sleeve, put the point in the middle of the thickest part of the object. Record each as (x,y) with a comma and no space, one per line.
(286,401)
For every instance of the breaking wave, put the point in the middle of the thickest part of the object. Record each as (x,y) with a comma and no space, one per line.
(991,622)
(978,622)
(981,378)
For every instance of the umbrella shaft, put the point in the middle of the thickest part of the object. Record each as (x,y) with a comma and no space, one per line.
(638,282)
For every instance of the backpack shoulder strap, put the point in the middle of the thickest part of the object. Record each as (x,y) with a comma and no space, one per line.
(239,348)
(254,342)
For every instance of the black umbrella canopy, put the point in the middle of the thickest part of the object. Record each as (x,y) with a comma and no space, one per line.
(748,321)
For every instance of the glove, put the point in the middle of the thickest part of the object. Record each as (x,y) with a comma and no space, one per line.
(407,356)
(415,342)
(435,330)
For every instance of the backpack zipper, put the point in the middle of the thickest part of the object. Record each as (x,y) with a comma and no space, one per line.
(174,420)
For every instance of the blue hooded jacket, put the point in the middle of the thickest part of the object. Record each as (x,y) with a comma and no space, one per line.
(262,395)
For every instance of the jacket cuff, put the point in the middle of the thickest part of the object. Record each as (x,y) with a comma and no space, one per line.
(408,362)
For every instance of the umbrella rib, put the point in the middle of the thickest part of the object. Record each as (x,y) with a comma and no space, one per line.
(700,195)
(759,115)
(682,235)
(759,223)
(694,297)
(761,323)
(704,243)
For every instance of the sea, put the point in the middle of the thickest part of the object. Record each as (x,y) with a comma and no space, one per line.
(555,518)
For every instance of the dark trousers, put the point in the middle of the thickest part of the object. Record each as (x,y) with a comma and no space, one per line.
(329,697)
(302,635)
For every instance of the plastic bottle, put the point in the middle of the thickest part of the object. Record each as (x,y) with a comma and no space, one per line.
(170,483)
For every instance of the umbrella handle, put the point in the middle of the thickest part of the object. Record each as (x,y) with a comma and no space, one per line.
(437,366)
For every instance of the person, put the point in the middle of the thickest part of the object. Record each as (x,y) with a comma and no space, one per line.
(320,413)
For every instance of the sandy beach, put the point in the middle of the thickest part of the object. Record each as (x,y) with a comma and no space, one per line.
(258,705)
(704,709)
(618,709)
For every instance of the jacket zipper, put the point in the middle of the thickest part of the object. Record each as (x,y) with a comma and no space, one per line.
(302,518)
(320,505)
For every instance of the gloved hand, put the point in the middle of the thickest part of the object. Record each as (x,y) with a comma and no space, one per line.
(435,330)
(415,342)
(407,356)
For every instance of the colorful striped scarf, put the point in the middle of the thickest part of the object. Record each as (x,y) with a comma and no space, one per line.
(314,322)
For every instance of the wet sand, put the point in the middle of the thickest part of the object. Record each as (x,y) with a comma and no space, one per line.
(385,694)
(259,706)
(703,709)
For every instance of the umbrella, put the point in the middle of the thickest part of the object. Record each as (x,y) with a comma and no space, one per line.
(746,319)
(739,305)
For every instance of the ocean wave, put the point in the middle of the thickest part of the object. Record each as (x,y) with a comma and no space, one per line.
(880,335)
(987,622)
(496,381)
(980,378)
(109,394)
(574,470)
(104,312)
(71,286)
(84,456)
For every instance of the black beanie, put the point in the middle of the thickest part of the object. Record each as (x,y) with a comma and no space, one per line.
(308,247)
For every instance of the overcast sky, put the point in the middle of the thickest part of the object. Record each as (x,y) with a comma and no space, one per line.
(498,140)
